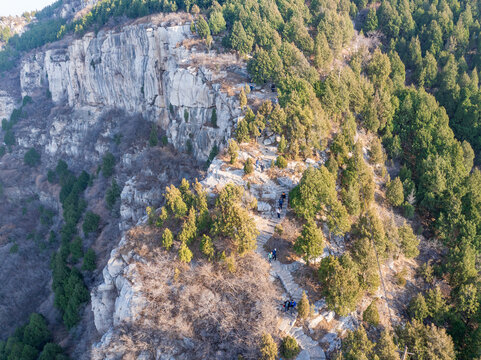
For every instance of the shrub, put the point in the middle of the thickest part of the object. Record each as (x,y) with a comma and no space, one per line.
(282,146)
(164,140)
(189,147)
(268,348)
(371,314)
(167,239)
(14,249)
(289,347)
(303,309)
(108,164)
(279,229)
(230,263)
(9,138)
(401,277)
(281,162)
(186,115)
(153,137)
(3,150)
(248,166)
(202,28)
(91,222)
(89,260)
(31,158)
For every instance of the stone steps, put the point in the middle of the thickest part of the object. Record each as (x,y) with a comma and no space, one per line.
(266,224)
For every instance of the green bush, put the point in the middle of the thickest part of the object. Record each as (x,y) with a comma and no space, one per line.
(9,138)
(164,140)
(153,137)
(213,118)
(289,347)
(281,162)
(248,166)
(108,164)
(31,158)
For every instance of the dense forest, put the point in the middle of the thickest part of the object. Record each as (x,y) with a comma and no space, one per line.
(418,93)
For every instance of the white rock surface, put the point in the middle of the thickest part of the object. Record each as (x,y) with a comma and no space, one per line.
(141,69)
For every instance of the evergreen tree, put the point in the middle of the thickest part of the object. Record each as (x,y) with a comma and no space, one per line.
(202,28)
(409,241)
(370,24)
(217,22)
(207,247)
(239,40)
(185,255)
(189,229)
(167,239)
(303,308)
(311,242)
(89,260)
(174,201)
(233,150)
(268,348)
(395,192)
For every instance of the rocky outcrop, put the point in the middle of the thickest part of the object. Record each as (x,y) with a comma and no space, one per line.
(141,69)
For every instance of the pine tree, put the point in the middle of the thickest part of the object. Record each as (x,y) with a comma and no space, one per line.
(371,21)
(242,98)
(189,229)
(174,201)
(303,308)
(311,242)
(167,239)
(395,192)
(409,241)
(371,314)
(185,255)
(207,247)
(202,28)
(239,40)
(232,150)
(418,308)
(268,347)
(89,260)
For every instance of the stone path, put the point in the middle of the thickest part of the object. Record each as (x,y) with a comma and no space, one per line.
(266,224)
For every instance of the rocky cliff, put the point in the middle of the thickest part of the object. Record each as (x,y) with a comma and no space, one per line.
(96,94)
(142,69)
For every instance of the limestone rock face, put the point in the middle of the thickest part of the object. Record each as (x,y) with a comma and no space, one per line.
(142,69)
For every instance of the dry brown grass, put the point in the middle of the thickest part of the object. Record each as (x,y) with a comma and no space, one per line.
(221,314)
